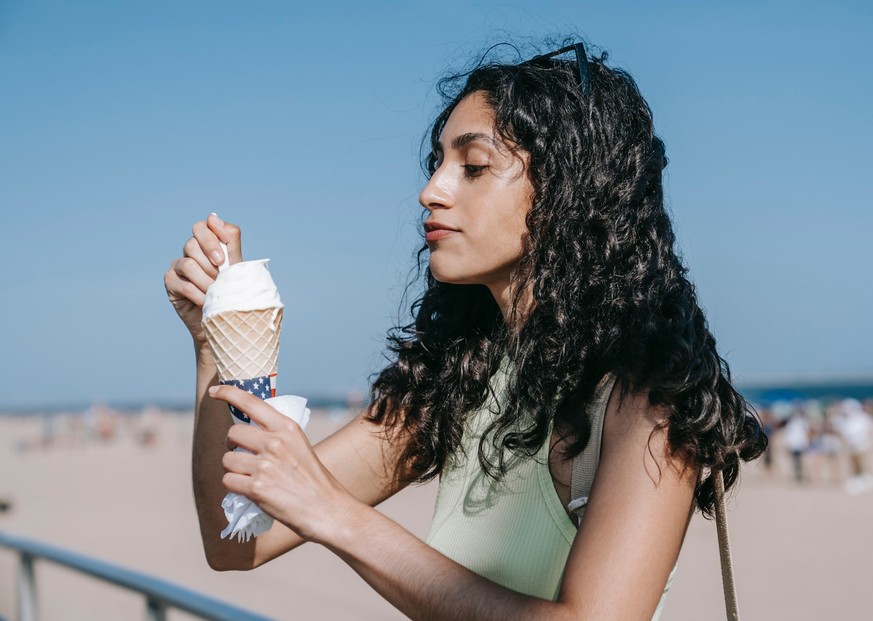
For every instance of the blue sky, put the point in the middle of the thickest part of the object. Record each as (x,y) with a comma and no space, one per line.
(122,123)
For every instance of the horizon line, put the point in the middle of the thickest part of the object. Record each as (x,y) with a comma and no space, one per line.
(335,400)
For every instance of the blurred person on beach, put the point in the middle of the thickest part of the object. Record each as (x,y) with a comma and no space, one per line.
(855,427)
(796,439)
(557,328)
(825,447)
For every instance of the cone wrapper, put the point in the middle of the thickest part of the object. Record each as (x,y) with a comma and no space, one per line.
(245,519)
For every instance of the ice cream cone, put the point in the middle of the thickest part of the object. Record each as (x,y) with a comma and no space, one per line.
(242,317)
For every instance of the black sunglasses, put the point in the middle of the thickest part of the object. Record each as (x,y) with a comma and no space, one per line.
(581,63)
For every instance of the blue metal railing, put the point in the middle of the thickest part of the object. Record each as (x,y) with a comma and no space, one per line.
(160,595)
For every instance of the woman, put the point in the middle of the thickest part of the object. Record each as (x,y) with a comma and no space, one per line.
(557,329)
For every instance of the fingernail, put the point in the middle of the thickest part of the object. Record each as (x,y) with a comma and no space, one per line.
(220,221)
(212,390)
(216,257)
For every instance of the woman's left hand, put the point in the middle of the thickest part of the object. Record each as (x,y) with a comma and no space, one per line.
(282,474)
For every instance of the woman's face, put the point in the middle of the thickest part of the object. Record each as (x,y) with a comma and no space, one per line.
(478,198)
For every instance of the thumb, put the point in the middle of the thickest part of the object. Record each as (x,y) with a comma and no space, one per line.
(227,233)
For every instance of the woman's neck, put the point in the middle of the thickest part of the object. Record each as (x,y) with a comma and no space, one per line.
(504,295)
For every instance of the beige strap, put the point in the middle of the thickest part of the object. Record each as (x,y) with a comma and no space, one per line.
(724,551)
(585,464)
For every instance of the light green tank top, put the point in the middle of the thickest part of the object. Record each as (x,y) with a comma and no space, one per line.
(515,531)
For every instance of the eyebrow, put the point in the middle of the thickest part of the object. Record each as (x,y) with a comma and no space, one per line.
(463,140)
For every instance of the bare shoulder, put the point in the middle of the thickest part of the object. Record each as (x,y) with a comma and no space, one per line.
(636,432)
(636,517)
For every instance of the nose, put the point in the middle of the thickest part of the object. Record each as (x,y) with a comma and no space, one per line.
(436,194)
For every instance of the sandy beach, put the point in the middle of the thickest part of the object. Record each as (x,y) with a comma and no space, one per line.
(801,552)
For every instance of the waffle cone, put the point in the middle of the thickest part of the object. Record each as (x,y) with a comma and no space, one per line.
(245,344)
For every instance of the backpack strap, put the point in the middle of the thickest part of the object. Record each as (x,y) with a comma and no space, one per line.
(585,463)
(724,550)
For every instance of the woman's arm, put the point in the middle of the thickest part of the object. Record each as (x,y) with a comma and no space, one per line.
(357,454)
(635,520)
(617,568)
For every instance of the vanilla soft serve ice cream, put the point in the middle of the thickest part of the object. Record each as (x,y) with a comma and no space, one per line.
(244,286)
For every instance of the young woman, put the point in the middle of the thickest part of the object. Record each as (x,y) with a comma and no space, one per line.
(558,340)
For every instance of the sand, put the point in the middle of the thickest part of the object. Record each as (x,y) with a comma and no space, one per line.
(800,552)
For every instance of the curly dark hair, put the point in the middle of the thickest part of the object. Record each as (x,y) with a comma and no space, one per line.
(610,294)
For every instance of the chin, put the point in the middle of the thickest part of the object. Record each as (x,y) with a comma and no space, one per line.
(449,276)
(445,278)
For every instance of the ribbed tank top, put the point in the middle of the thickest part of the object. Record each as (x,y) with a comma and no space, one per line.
(515,531)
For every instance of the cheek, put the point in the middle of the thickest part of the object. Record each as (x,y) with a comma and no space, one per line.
(517,203)
(503,229)
(501,244)
(513,228)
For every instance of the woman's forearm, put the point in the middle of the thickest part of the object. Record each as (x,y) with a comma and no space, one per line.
(424,584)
(211,423)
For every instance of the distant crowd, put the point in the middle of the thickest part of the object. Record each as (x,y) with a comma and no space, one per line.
(99,424)
(825,443)
(811,441)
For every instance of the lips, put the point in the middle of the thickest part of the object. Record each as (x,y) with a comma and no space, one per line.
(434,231)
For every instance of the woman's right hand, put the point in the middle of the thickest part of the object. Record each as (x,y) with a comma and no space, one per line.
(190,275)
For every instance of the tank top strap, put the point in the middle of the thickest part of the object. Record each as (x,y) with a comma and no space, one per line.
(585,463)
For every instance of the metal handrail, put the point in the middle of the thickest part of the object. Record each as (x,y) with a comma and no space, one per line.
(160,594)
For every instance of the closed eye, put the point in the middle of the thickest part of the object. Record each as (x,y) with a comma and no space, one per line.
(471,170)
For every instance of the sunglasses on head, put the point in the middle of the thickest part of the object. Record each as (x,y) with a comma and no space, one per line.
(581,63)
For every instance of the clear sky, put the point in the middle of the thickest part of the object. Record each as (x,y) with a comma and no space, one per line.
(121,123)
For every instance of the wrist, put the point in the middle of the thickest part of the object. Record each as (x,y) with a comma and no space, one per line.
(205,363)
(202,350)
(352,521)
